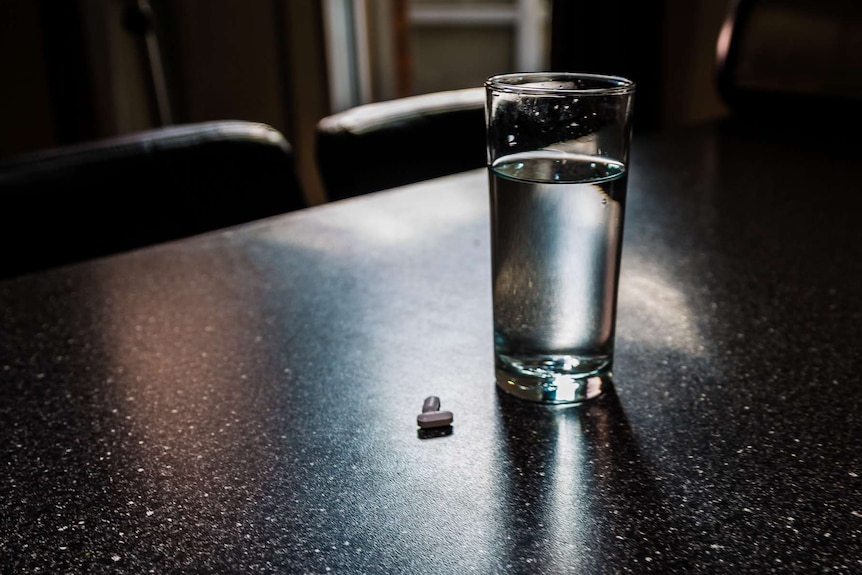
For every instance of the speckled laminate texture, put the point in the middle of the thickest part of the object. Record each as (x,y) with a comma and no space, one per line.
(246,401)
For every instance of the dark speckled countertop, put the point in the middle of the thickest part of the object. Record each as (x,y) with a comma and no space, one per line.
(245,401)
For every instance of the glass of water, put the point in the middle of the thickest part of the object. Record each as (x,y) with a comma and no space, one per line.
(558,149)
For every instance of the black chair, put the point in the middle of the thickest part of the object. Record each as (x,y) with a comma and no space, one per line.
(396,142)
(78,202)
(792,61)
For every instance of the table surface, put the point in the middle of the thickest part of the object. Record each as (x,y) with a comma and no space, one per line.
(245,401)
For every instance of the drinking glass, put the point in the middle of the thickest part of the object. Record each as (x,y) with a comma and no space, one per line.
(558,159)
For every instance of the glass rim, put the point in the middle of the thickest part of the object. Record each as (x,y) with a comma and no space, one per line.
(518,83)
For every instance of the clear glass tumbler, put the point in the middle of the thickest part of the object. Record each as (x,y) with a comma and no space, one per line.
(558,149)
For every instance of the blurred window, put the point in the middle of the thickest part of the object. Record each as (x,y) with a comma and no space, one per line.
(384,49)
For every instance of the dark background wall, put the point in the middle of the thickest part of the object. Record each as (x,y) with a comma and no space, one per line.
(72,71)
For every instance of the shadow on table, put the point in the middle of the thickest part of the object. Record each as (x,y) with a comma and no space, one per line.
(434,432)
(578,493)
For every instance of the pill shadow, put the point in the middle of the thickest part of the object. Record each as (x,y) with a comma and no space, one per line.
(434,432)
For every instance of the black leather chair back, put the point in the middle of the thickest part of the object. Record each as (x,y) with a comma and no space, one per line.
(97,198)
(392,143)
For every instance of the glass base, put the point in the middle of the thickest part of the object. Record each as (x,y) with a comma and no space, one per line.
(554,379)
